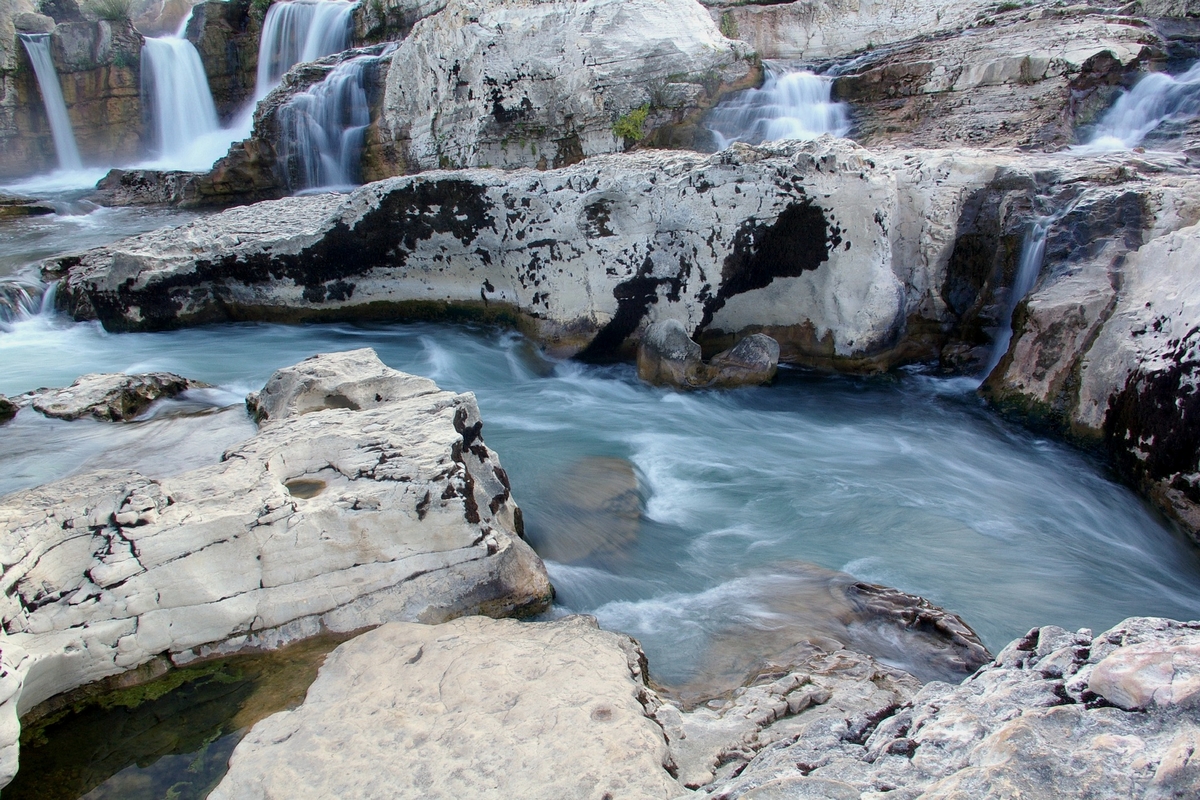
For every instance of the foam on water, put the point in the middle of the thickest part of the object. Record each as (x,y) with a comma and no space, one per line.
(791,104)
(1155,101)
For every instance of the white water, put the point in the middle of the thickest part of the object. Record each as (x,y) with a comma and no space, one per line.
(37,45)
(298,31)
(322,129)
(1033,253)
(176,94)
(1156,100)
(789,105)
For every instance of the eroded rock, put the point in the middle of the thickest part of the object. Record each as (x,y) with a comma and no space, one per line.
(335,519)
(110,397)
(480,708)
(666,356)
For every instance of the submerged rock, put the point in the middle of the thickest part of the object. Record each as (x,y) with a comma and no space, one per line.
(594,513)
(332,519)
(110,397)
(479,708)
(666,356)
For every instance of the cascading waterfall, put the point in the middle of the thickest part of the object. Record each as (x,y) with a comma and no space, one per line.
(175,90)
(322,129)
(1156,100)
(37,45)
(299,31)
(1033,252)
(789,105)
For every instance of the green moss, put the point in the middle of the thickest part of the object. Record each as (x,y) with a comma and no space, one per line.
(729,26)
(629,126)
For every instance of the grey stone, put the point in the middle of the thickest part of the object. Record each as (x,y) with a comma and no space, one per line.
(110,397)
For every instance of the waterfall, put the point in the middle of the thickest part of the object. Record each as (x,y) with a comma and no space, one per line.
(322,129)
(790,105)
(1155,100)
(1033,252)
(175,91)
(298,31)
(37,45)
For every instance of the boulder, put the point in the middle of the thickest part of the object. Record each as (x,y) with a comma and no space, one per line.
(471,708)
(112,397)
(8,409)
(667,357)
(14,206)
(29,22)
(330,518)
(515,83)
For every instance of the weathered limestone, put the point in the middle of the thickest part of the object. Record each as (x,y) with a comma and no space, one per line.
(391,20)
(667,357)
(1043,720)
(112,398)
(367,496)
(226,35)
(472,708)
(1027,79)
(828,29)
(517,83)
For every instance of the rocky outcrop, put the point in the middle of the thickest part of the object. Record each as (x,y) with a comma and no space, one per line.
(98,65)
(1056,714)
(14,206)
(1026,78)
(560,709)
(517,83)
(481,709)
(226,35)
(111,398)
(830,29)
(767,239)
(667,357)
(17,152)
(391,20)
(367,496)
(1107,350)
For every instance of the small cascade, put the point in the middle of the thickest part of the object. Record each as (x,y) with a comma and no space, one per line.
(24,299)
(322,129)
(1033,252)
(789,105)
(175,90)
(37,45)
(298,31)
(1155,101)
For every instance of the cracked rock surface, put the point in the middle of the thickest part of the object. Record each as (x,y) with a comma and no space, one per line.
(337,515)
(110,397)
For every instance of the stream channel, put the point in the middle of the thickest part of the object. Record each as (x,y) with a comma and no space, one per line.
(714,527)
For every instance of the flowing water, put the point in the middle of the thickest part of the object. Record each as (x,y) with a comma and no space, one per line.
(322,129)
(176,96)
(1033,252)
(298,31)
(791,104)
(37,45)
(1155,103)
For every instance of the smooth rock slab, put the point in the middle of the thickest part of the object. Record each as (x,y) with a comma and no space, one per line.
(473,708)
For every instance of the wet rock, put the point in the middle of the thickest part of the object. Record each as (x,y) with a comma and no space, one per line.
(13,206)
(1027,724)
(110,397)
(594,515)
(8,409)
(482,708)
(785,615)
(515,84)
(226,36)
(668,357)
(335,519)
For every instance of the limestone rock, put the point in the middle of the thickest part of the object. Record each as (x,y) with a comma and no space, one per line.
(751,361)
(1029,724)
(226,36)
(471,708)
(33,23)
(391,20)
(517,83)
(110,397)
(333,519)
(15,206)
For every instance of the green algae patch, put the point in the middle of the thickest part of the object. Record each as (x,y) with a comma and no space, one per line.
(168,738)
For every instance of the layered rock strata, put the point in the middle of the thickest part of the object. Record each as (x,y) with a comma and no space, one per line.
(562,710)
(368,495)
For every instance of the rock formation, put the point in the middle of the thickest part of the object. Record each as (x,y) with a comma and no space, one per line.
(367,496)
(111,398)
(561,709)
(478,708)
(667,357)
(226,35)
